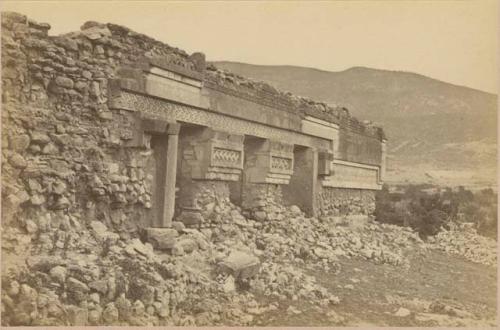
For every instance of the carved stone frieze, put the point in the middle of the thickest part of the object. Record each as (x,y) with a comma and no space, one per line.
(156,108)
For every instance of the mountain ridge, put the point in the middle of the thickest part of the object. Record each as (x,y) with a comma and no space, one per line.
(353,68)
(430,124)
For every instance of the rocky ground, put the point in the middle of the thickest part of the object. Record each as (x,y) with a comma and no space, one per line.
(232,270)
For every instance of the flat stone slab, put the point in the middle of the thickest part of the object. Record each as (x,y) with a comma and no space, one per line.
(161,238)
(191,218)
(240,264)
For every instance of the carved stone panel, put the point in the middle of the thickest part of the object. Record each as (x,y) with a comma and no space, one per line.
(211,155)
(268,162)
(161,109)
(224,157)
(281,164)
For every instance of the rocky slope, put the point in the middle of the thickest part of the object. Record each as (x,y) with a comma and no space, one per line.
(429,123)
(230,271)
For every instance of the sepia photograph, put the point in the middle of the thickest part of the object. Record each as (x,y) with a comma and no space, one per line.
(249,163)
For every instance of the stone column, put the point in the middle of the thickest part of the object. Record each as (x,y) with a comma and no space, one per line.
(209,161)
(303,187)
(268,166)
(383,162)
(170,175)
(160,234)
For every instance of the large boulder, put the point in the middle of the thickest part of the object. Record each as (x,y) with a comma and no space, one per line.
(240,265)
(161,238)
(191,217)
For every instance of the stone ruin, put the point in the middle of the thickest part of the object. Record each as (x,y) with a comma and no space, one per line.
(109,124)
(111,130)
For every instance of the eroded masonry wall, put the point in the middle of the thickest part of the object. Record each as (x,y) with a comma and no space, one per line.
(113,143)
(355,146)
(67,158)
(70,158)
(343,201)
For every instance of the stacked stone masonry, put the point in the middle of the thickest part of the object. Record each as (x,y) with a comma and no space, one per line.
(109,125)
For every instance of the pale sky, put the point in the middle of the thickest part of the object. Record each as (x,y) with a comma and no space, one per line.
(454,41)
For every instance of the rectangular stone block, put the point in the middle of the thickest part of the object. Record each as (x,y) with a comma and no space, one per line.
(240,264)
(324,162)
(161,238)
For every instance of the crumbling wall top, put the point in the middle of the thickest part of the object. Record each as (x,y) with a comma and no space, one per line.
(131,49)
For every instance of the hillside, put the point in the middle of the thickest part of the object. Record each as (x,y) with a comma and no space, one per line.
(431,125)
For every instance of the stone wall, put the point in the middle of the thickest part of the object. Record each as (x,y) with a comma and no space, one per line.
(71,153)
(64,151)
(263,202)
(210,198)
(356,146)
(342,201)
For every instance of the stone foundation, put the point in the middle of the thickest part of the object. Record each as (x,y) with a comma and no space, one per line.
(211,198)
(263,202)
(343,201)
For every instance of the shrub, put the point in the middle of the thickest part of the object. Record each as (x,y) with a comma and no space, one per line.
(427,213)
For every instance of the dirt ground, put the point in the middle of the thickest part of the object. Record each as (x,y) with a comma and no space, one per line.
(437,290)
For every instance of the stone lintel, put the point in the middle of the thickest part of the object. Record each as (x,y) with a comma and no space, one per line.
(173,128)
(154,126)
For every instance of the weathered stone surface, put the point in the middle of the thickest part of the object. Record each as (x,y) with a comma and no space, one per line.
(19,143)
(190,218)
(77,316)
(39,137)
(179,226)
(13,288)
(188,245)
(402,312)
(58,273)
(161,238)
(464,240)
(64,82)
(240,264)
(178,250)
(260,215)
(99,286)
(94,316)
(110,314)
(229,284)
(124,306)
(295,209)
(75,285)
(342,202)
(18,161)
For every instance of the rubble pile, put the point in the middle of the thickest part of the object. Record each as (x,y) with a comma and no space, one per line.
(222,266)
(324,240)
(463,239)
(281,233)
(102,278)
(119,283)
